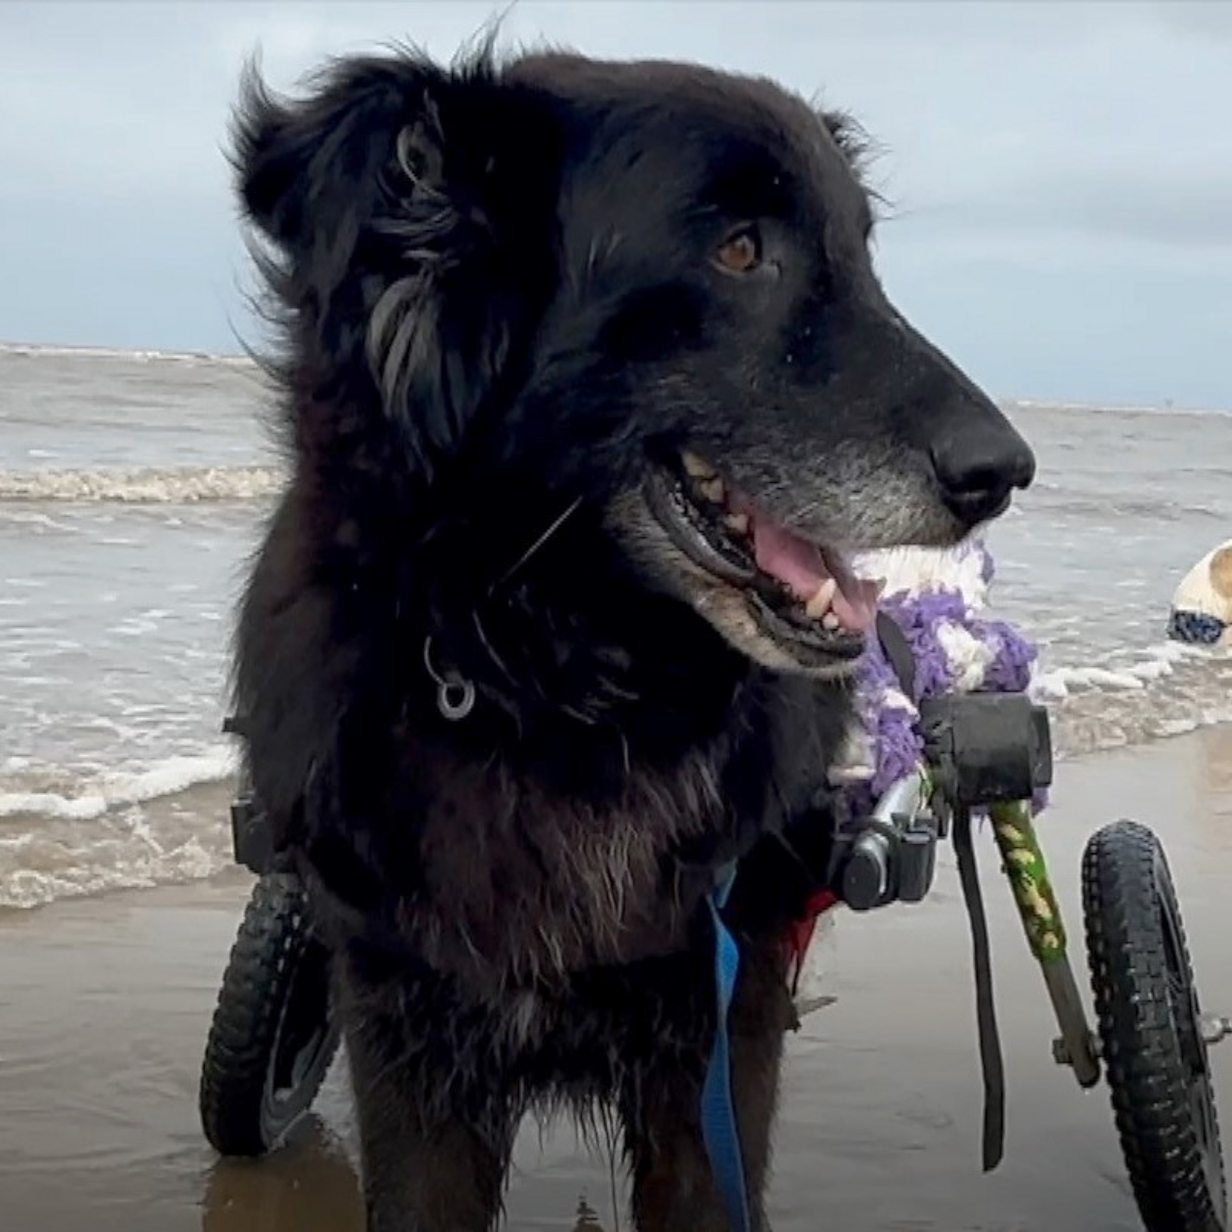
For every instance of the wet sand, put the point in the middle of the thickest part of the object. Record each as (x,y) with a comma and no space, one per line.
(104,1004)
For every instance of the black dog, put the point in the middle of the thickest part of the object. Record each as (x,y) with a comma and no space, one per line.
(589,386)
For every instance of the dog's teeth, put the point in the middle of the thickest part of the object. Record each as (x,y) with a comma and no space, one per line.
(737,522)
(699,468)
(819,604)
(829,621)
(713,490)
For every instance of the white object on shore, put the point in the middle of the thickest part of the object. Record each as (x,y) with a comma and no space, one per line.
(1207,588)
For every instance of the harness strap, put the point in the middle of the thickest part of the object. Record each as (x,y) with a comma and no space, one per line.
(898,651)
(720,1131)
(985,1007)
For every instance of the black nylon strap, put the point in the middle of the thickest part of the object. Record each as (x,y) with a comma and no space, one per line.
(898,651)
(985,1007)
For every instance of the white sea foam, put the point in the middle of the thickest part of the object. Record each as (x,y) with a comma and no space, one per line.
(33,349)
(1127,671)
(1061,681)
(134,867)
(105,792)
(118,830)
(142,485)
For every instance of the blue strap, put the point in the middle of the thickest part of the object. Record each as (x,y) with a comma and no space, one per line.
(719,1129)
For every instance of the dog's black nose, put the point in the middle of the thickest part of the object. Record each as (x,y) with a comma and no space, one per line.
(979,465)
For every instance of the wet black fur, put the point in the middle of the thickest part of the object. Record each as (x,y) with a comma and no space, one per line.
(496,306)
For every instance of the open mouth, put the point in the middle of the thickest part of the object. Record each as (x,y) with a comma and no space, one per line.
(801,594)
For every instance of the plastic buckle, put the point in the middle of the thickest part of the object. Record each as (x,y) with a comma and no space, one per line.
(885,863)
(250,836)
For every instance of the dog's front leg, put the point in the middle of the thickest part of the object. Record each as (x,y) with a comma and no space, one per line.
(425,1168)
(673,1185)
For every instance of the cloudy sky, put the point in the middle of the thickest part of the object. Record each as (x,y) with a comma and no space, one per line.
(1061,173)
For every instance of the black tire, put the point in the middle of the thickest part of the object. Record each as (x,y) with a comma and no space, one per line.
(1150,1030)
(273,1037)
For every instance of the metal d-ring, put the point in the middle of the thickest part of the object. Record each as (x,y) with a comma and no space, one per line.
(455,695)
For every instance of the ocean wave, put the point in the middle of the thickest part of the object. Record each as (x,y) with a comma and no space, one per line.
(1136,697)
(1062,498)
(1107,408)
(142,485)
(47,794)
(1123,670)
(35,350)
(163,824)
(49,868)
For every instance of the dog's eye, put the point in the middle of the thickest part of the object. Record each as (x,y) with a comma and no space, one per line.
(740,253)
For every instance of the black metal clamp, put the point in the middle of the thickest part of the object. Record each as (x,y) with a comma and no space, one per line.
(986,748)
(980,749)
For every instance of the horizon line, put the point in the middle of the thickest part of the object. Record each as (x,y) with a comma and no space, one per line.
(1028,402)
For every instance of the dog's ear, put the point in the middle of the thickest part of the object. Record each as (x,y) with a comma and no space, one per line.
(292,157)
(413,208)
(271,153)
(459,233)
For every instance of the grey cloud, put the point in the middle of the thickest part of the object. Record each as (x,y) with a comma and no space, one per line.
(1025,143)
(1208,20)
(1192,214)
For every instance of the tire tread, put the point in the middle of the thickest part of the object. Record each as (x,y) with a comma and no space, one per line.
(271,940)
(1121,887)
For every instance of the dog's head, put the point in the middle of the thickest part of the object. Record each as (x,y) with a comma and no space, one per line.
(647,286)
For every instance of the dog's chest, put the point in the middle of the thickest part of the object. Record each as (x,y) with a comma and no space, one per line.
(522,885)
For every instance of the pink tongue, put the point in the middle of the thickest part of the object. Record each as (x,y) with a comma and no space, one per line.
(800,566)
(794,561)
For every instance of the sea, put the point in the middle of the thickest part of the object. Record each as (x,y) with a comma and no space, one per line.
(133,490)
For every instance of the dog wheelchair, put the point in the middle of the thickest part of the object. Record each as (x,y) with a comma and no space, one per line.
(273,1035)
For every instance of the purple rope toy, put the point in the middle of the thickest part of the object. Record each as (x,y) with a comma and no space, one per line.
(936,598)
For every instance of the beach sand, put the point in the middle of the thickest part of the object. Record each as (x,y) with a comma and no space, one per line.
(104,1005)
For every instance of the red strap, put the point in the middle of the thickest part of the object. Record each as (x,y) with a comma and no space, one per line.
(800,931)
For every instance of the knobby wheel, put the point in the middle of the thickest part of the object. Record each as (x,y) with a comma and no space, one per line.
(272,1038)
(1151,1032)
